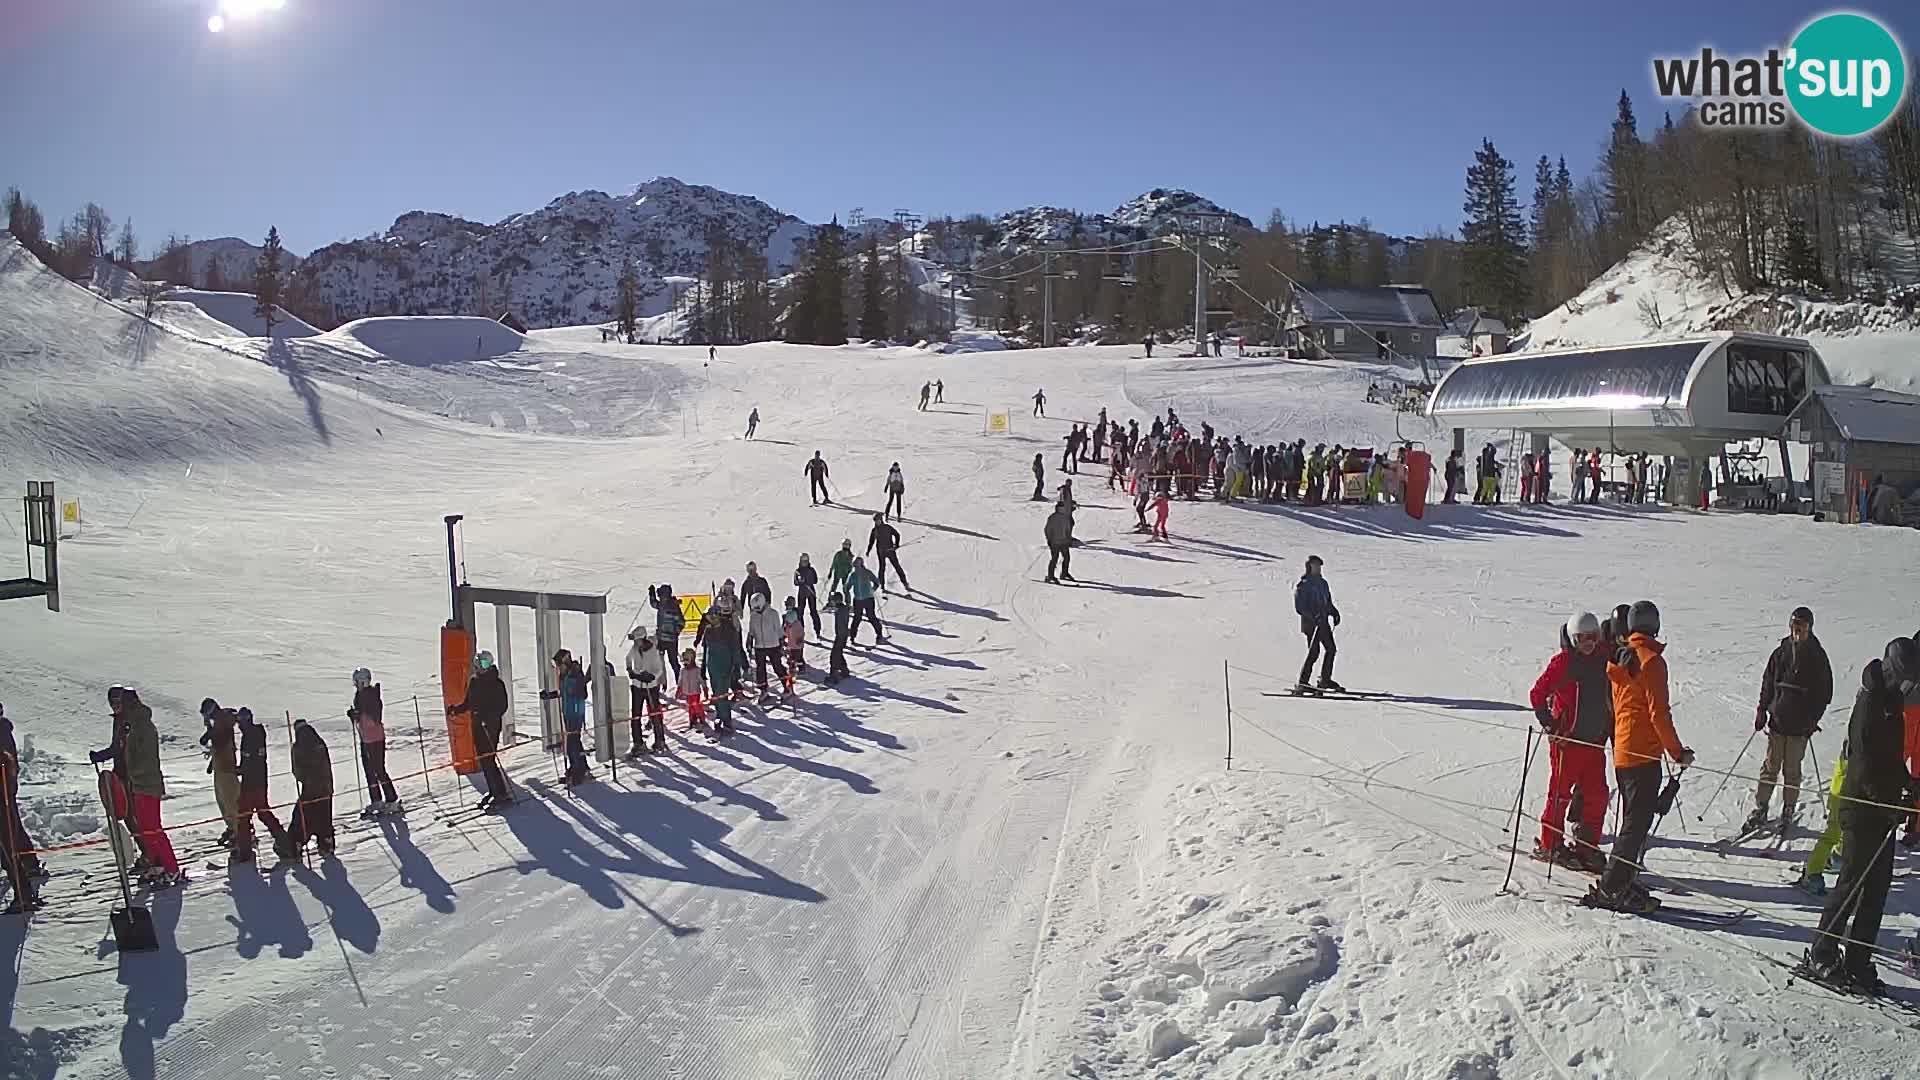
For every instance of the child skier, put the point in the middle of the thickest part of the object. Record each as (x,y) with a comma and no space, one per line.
(691,683)
(367,713)
(572,694)
(837,661)
(1161,506)
(793,630)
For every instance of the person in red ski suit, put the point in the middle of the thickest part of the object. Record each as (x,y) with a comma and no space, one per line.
(1574,704)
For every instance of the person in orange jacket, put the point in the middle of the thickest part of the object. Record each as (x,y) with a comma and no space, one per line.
(1642,733)
(1573,701)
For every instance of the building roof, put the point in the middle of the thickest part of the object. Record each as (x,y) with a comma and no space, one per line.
(1869,414)
(1385,305)
(1474,321)
(1617,377)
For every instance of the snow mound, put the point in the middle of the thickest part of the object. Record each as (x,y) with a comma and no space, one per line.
(236,311)
(428,340)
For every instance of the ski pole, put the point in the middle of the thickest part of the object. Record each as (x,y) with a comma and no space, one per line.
(1513,853)
(1819,778)
(420,742)
(1723,780)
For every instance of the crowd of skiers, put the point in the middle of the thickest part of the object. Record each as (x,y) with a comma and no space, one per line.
(1608,684)
(1641,477)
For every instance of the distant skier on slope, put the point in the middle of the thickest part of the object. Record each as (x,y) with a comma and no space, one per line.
(926,394)
(1059,535)
(896,493)
(1040,402)
(807,580)
(1313,602)
(939,392)
(817,480)
(753,421)
(1039,479)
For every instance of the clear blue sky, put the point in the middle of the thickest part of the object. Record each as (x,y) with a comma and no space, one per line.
(331,117)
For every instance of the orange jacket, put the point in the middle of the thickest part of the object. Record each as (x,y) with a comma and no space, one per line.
(1642,719)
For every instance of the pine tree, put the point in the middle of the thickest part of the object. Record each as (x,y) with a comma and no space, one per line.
(1378,269)
(873,299)
(1800,259)
(830,278)
(1493,236)
(1625,169)
(266,280)
(127,249)
(627,305)
(1343,269)
(1313,255)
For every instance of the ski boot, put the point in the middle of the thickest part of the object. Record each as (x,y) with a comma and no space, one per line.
(1630,899)
(1811,884)
(1326,683)
(372,811)
(323,847)
(1051,580)
(286,849)
(1303,688)
(15,906)
(1785,828)
(35,870)
(1755,822)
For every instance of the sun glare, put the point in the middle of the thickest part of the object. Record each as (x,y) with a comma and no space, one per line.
(241,9)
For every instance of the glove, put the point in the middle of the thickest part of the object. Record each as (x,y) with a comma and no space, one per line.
(549,695)
(1686,757)
(1545,717)
(1760,718)
(1336,618)
(99,756)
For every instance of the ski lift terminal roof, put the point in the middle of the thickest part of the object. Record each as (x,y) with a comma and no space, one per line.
(1665,397)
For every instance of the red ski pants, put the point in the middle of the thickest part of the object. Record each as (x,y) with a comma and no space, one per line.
(1575,767)
(146,819)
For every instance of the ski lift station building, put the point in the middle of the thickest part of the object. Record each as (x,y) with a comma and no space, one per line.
(1684,399)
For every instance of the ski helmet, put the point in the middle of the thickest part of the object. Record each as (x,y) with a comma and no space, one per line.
(1584,623)
(665,590)
(114,692)
(805,560)
(1901,664)
(724,603)
(879,517)
(362,677)
(1802,614)
(483,661)
(1644,618)
(637,633)
(686,656)
(846,545)
(245,715)
(753,567)
(757,602)
(208,707)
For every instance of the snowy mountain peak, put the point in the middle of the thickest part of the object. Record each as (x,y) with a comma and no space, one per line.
(1155,210)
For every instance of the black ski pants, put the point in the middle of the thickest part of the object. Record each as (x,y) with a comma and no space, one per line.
(763,657)
(373,757)
(647,700)
(1639,787)
(1060,555)
(1320,636)
(864,609)
(894,558)
(1039,485)
(817,489)
(810,605)
(896,504)
(1857,903)
(486,746)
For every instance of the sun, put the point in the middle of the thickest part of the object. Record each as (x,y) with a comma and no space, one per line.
(231,10)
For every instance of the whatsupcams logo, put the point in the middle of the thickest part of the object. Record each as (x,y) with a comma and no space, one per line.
(1843,75)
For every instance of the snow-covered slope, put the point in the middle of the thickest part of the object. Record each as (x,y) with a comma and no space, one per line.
(1657,293)
(556,266)
(236,310)
(1008,847)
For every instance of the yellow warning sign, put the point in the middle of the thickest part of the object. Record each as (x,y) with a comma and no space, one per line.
(70,511)
(694,608)
(999,423)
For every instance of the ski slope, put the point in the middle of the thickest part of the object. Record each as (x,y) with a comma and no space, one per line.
(1011,847)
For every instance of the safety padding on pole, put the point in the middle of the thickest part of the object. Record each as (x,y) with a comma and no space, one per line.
(456,663)
(1419,469)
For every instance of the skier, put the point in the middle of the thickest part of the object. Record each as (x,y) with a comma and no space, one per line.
(896,493)
(1795,689)
(571,691)
(837,661)
(1059,533)
(1336,475)
(1161,506)
(1040,402)
(926,393)
(1313,602)
(939,392)
(1877,777)
(668,619)
(1642,732)
(753,421)
(646,676)
(23,870)
(312,817)
(807,580)
(692,681)
(754,585)
(486,705)
(864,588)
(221,748)
(712,353)
(817,480)
(1542,477)
(1039,478)
(1573,701)
(1577,470)
(254,798)
(793,635)
(1455,476)
(1316,471)
(135,753)
(886,540)
(841,567)
(726,660)
(368,713)
(765,641)
(1526,477)
(1072,452)
(1148,342)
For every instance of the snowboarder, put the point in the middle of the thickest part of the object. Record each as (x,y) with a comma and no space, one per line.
(926,394)
(312,817)
(486,706)
(1040,402)
(817,480)
(1313,602)
(864,588)
(571,691)
(646,676)
(765,641)
(1573,702)
(692,682)
(22,869)
(1161,506)
(885,539)
(255,801)
(368,716)
(668,619)
(841,568)
(837,661)
(1877,777)
(1059,534)
(1795,689)
(896,493)
(1039,478)
(753,421)
(807,580)
(754,585)
(726,660)
(1642,732)
(939,392)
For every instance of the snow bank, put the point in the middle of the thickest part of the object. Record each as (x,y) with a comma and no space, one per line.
(429,339)
(236,310)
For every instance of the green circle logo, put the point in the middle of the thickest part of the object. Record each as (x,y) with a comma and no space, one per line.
(1846,75)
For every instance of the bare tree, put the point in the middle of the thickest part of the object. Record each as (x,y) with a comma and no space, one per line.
(99,229)
(151,294)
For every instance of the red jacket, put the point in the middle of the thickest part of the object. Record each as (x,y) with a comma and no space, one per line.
(1559,687)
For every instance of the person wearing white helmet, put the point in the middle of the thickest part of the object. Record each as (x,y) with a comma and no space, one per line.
(368,714)
(1573,702)
(486,705)
(765,641)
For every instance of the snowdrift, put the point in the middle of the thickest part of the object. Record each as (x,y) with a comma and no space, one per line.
(236,310)
(428,340)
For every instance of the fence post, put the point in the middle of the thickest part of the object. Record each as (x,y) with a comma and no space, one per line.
(420,741)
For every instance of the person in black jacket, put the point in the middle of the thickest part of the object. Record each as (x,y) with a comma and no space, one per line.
(1877,781)
(254,799)
(817,480)
(807,580)
(1795,689)
(1039,479)
(486,703)
(886,540)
